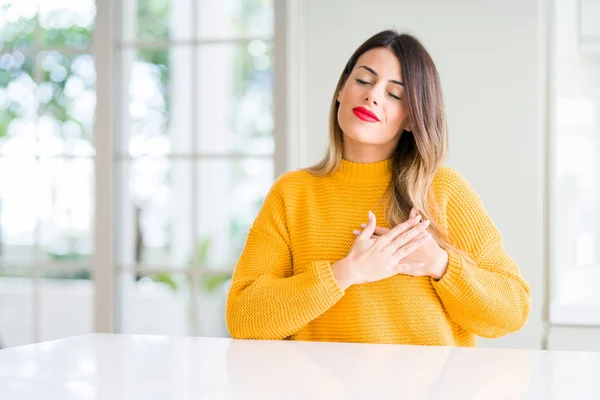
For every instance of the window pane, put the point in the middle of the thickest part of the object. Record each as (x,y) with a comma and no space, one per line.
(160,20)
(575,172)
(155,304)
(209,310)
(67,101)
(154,224)
(66,203)
(66,23)
(235,98)
(16,307)
(163,19)
(230,194)
(18,105)
(158,102)
(17,24)
(59,193)
(160,304)
(234,18)
(66,305)
(222,101)
(18,210)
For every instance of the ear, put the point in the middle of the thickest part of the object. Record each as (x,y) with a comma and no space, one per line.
(409,126)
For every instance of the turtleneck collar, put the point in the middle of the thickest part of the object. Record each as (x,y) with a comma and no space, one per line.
(365,173)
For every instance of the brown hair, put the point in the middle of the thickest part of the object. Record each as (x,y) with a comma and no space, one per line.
(419,153)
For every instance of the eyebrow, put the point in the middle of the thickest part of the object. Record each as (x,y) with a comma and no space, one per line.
(371,70)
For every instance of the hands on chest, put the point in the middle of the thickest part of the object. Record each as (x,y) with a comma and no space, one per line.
(379,253)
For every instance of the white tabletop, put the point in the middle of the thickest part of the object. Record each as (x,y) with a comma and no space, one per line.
(155,367)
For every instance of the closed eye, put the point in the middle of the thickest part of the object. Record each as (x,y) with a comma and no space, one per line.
(363,82)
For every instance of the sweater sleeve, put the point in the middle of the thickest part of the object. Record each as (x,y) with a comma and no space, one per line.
(484,292)
(270,298)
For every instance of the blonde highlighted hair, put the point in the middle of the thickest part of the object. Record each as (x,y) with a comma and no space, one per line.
(419,153)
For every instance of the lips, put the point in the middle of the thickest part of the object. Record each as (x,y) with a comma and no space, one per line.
(365,114)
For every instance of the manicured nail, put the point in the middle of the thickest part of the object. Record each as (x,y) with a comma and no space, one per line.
(421,265)
(426,224)
(418,218)
(363,225)
(371,215)
(356,232)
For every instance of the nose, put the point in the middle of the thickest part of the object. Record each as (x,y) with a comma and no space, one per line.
(370,97)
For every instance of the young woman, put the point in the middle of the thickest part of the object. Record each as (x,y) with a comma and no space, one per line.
(378,243)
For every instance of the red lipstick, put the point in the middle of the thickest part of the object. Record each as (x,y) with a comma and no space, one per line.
(365,114)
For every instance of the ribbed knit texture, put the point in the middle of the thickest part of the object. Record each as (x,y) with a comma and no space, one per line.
(283,286)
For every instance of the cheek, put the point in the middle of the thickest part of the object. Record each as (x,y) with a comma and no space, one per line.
(351,92)
(349,100)
(396,117)
(343,114)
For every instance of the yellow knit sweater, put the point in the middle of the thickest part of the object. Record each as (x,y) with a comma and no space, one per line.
(283,286)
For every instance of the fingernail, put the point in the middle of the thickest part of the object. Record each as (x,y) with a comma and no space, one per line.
(421,265)
(426,224)
(371,215)
(363,225)
(356,232)
(418,218)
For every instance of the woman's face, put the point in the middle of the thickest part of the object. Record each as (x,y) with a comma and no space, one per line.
(372,108)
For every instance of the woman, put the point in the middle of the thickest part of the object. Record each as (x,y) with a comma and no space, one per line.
(440,276)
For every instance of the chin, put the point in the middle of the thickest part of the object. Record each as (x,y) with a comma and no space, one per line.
(367,138)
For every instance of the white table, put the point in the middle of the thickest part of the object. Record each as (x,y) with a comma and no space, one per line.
(155,367)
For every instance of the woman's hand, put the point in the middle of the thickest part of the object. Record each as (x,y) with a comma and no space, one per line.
(375,257)
(429,253)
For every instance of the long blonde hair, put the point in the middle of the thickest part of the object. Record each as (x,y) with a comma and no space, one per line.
(419,153)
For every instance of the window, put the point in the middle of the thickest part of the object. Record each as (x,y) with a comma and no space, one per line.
(193,156)
(47,103)
(575,172)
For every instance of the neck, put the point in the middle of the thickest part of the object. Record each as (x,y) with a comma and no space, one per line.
(379,172)
(368,153)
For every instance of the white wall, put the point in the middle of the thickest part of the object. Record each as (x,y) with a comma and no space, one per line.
(490,58)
